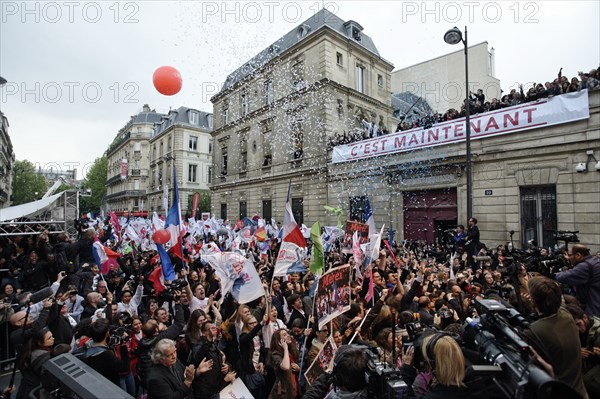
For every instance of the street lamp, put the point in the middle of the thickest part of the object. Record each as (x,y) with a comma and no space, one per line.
(454,36)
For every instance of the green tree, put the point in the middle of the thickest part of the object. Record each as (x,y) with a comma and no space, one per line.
(95,181)
(26,183)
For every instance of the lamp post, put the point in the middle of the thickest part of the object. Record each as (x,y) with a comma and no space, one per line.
(454,36)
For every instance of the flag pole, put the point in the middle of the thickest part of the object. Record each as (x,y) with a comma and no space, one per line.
(360,325)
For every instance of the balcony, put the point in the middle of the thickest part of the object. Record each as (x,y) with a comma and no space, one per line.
(126,194)
(138,172)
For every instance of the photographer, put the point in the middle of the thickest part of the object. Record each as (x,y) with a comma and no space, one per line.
(585,276)
(99,356)
(350,365)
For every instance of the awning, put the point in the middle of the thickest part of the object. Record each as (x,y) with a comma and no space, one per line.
(29,209)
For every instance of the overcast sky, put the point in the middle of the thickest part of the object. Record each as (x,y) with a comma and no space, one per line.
(77,71)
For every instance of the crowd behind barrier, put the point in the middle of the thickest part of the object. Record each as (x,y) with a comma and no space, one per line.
(478,105)
(189,340)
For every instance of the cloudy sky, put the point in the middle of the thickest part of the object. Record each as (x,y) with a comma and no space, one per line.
(77,71)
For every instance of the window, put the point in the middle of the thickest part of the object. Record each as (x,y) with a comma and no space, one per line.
(224,211)
(244,104)
(210,147)
(360,78)
(380,80)
(224,162)
(267,212)
(243,209)
(193,117)
(225,115)
(339,59)
(297,139)
(243,155)
(357,208)
(209,175)
(192,169)
(268,92)
(538,215)
(136,184)
(298,75)
(298,210)
(193,143)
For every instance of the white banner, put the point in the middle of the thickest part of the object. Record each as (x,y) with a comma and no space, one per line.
(546,112)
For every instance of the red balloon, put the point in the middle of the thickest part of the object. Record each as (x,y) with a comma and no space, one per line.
(167,80)
(161,236)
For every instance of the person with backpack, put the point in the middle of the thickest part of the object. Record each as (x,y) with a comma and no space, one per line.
(100,356)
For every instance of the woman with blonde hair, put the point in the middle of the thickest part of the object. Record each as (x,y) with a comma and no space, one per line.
(443,355)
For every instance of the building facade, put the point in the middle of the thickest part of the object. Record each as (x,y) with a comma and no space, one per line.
(275,115)
(441,81)
(181,140)
(530,182)
(7,161)
(128,164)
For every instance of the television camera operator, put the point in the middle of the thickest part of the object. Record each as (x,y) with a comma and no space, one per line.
(584,276)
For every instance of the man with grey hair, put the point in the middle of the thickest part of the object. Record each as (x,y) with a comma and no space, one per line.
(169,378)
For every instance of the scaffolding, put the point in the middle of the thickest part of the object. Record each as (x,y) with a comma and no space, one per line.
(57,217)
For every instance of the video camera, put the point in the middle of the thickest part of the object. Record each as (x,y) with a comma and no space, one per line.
(566,236)
(383,380)
(169,293)
(496,337)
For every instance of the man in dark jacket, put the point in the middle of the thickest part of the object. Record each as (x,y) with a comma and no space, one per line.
(152,335)
(209,384)
(103,359)
(168,377)
(585,276)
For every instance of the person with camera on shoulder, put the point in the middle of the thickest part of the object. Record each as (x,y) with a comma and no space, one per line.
(585,276)
(589,334)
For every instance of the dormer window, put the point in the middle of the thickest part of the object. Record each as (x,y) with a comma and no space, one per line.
(302,31)
(193,117)
(353,30)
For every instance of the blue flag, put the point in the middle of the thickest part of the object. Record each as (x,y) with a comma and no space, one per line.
(165,262)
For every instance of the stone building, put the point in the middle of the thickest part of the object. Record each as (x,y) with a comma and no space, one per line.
(275,115)
(180,140)
(129,164)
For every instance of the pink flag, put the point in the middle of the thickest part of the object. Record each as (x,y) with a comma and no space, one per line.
(371,291)
(358,255)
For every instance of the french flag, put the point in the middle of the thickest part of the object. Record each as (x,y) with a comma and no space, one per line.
(173,222)
(103,256)
(369,217)
(293,245)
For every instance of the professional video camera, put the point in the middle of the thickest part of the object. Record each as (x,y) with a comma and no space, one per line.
(566,236)
(496,336)
(119,335)
(383,380)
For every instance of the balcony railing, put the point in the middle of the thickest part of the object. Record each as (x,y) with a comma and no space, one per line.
(126,194)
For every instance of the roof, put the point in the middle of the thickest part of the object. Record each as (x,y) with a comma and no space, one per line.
(406,101)
(318,21)
(182,116)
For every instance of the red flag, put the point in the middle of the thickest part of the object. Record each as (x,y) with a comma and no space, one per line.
(387,244)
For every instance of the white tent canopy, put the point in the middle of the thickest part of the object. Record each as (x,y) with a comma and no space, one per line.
(29,209)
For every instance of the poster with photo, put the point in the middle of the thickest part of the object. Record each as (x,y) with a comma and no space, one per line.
(351,227)
(333,294)
(322,362)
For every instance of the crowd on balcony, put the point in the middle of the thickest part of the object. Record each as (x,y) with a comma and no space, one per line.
(478,105)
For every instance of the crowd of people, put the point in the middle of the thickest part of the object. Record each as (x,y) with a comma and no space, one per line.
(478,105)
(190,340)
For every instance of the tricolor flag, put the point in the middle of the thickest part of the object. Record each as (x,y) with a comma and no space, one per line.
(369,217)
(173,221)
(104,257)
(293,244)
(157,279)
(166,265)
